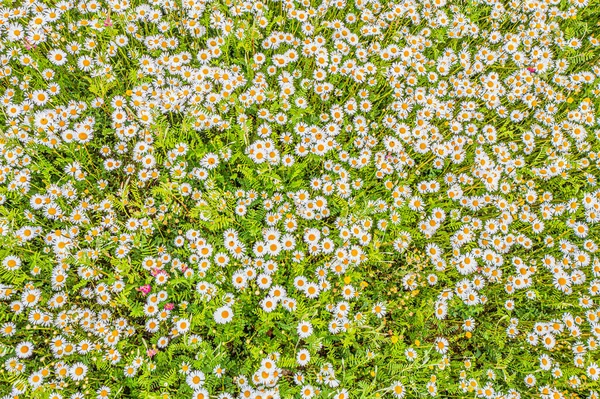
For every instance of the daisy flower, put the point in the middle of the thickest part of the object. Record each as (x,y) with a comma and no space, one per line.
(303,357)
(24,350)
(305,329)
(223,315)
(195,379)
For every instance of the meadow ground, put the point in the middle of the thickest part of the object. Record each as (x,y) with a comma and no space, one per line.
(299,199)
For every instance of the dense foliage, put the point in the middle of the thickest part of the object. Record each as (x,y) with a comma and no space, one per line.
(297,199)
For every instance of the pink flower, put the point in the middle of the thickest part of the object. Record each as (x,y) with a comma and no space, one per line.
(107,21)
(145,289)
(156,271)
(28,45)
(531,69)
(169,306)
(151,352)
